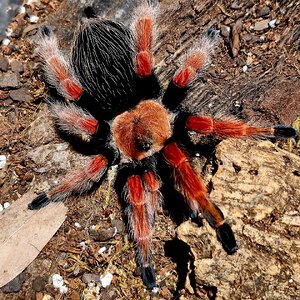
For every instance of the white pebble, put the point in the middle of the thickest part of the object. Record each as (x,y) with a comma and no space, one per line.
(291,280)
(262,38)
(5,42)
(272,23)
(245,68)
(6,205)
(63,289)
(8,31)
(32,1)
(155,290)
(77,225)
(102,250)
(106,279)
(197,154)
(33,19)
(22,10)
(57,281)
(2,161)
(83,245)
(1,207)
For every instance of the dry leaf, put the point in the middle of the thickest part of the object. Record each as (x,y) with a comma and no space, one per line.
(24,233)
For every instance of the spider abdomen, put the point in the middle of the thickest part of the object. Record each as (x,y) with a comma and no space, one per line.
(142,131)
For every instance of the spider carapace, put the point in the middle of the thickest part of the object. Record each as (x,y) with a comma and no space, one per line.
(116,109)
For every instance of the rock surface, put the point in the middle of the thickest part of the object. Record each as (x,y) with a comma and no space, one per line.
(257,188)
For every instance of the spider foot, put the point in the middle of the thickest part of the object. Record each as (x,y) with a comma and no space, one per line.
(40,201)
(46,30)
(226,237)
(281,131)
(148,276)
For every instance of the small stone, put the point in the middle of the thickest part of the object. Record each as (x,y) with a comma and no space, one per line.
(17,66)
(108,294)
(77,225)
(1,207)
(6,205)
(236,5)
(14,285)
(28,176)
(272,23)
(245,68)
(2,161)
(261,25)
(103,235)
(106,279)
(63,289)
(7,102)
(57,281)
(119,224)
(3,63)
(5,42)
(38,284)
(225,31)
(89,277)
(20,95)
(102,250)
(33,19)
(9,80)
(262,11)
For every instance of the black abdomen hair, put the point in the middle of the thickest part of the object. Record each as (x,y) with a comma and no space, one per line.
(103,62)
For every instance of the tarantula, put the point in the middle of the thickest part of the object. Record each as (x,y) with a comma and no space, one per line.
(119,115)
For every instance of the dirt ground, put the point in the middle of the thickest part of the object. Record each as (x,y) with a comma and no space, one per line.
(254,75)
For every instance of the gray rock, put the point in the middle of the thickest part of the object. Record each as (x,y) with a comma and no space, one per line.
(88,277)
(263,11)
(9,80)
(108,294)
(39,283)
(261,25)
(3,63)
(14,285)
(103,235)
(119,224)
(20,95)
(17,66)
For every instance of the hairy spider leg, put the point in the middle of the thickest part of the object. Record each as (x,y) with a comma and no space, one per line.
(195,61)
(75,182)
(58,71)
(143,30)
(192,187)
(142,196)
(235,129)
(74,120)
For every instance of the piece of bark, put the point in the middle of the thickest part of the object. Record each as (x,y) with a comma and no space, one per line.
(257,189)
(24,233)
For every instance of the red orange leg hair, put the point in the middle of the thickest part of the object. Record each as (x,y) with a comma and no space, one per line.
(74,120)
(143,30)
(196,60)
(58,71)
(142,197)
(195,192)
(235,129)
(76,182)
